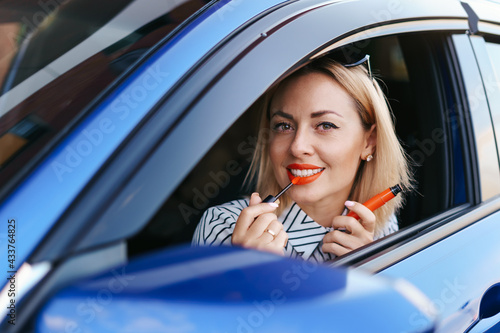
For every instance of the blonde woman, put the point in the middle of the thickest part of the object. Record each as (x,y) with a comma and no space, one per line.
(329,125)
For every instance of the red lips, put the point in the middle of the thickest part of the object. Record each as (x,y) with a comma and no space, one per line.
(303,180)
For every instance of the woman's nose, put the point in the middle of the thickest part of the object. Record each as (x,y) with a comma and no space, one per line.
(302,144)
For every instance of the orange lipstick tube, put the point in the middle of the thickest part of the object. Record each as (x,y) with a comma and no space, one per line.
(379,200)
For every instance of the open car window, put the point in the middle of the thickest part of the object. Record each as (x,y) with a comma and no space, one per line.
(418,79)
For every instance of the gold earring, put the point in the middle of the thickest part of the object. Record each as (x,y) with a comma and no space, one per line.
(369,158)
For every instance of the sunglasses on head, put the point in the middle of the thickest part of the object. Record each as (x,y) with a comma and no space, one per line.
(349,56)
(366,59)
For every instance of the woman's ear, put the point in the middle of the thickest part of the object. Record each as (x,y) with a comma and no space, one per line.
(370,142)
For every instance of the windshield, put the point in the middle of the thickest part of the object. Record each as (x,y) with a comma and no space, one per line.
(59,55)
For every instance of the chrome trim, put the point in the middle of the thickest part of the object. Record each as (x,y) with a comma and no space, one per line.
(397,28)
(489,28)
(385,260)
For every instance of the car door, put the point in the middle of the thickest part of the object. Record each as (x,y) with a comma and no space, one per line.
(163,135)
(459,179)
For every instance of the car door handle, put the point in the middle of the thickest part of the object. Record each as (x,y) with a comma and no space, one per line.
(489,306)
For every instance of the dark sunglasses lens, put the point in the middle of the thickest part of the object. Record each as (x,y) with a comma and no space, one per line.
(348,55)
(351,56)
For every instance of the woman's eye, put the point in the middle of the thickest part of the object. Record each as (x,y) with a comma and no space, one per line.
(325,126)
(282,127)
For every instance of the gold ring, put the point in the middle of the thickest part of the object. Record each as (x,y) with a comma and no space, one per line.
(272,233)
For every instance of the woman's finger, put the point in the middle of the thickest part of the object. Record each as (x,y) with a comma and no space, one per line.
(334,248)
(274,227)
(258,227)
(340,238)
(280,241)
(255,199)
(262,223)
(249,214)
(275,244)
(346,241)
(366,216)
(347,224)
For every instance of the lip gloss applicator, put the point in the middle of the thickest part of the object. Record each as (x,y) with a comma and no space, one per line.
(271,198)
(380,199)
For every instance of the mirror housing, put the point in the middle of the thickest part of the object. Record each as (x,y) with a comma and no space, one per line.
(229,289)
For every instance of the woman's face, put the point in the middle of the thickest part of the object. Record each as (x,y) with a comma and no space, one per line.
(316,133)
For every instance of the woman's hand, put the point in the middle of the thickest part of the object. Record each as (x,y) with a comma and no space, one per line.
(349,233)
(258,227)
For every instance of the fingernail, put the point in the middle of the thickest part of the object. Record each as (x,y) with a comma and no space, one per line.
(349,203)
(254,193)
(274,204)
(278,201)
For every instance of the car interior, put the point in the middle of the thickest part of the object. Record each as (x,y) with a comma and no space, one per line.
(423,99)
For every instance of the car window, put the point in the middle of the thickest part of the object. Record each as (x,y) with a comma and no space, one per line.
(56,58)
(418,82)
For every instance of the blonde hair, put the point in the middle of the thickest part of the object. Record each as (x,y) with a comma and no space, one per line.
(389,165)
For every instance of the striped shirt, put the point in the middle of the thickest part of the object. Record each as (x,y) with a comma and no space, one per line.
(305,236)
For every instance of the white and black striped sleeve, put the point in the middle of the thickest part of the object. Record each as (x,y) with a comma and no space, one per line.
(217,224)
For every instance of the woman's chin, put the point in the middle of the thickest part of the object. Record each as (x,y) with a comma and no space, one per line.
(305,199)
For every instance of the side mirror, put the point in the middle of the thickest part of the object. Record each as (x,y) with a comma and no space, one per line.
(227,289)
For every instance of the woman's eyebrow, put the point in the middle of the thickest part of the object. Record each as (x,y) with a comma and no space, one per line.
(282,114)
(323,112)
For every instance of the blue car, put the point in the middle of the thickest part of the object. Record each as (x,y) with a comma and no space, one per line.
(121,123)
